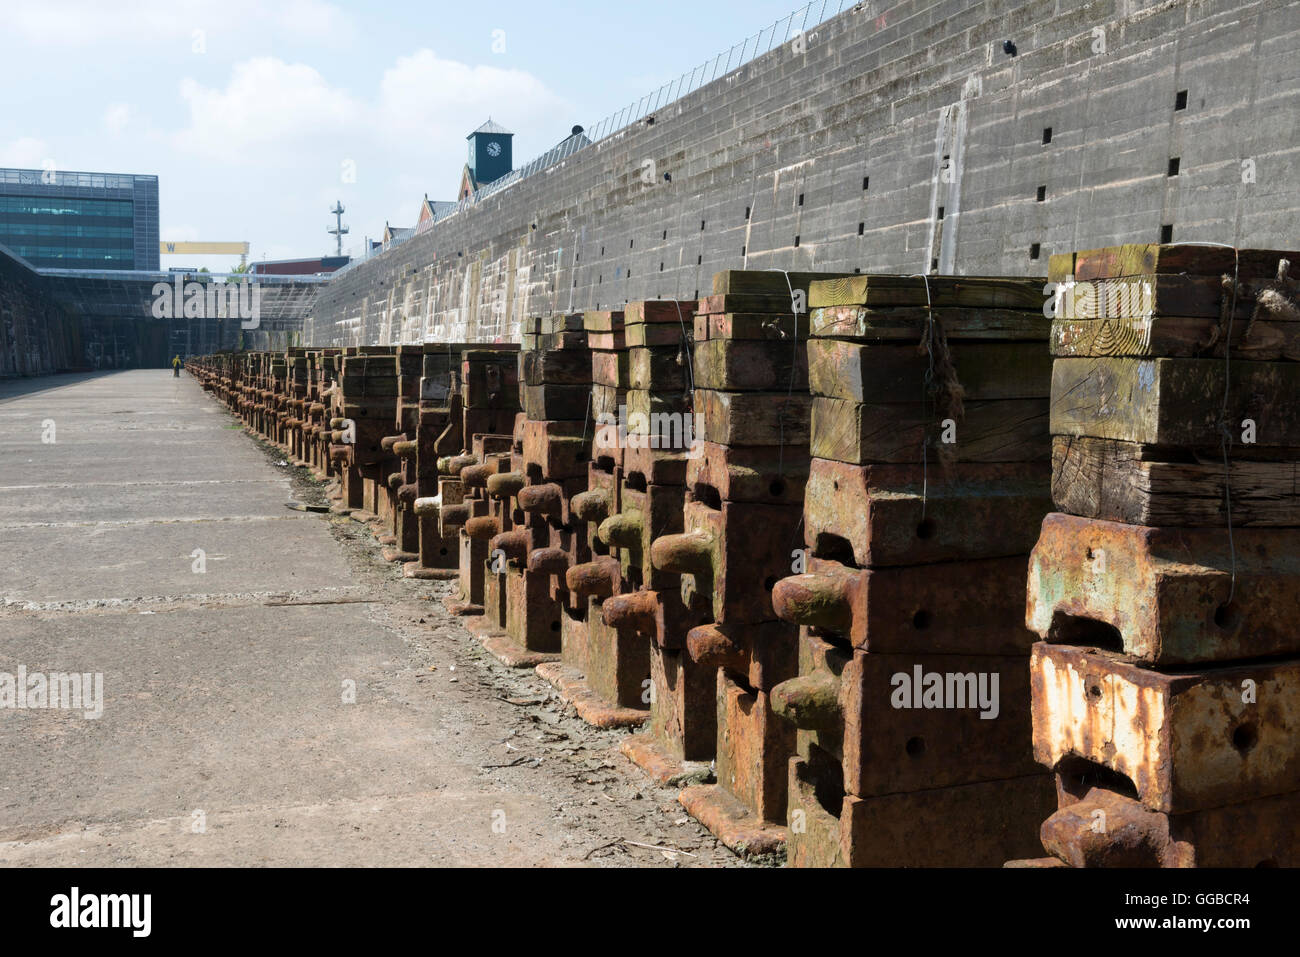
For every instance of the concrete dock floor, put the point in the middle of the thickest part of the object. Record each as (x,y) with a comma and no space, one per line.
(150,542)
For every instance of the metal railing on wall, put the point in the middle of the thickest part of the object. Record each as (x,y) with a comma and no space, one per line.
(799,21)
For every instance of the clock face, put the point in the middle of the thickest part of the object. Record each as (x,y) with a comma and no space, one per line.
(494,148)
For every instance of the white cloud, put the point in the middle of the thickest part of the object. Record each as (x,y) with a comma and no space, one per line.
(438,100)
(116,118)
(26,152)
(277,115)
(269,113)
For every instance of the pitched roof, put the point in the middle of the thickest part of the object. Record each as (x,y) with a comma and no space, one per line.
(490,127)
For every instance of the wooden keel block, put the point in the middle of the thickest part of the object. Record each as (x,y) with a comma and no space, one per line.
(749,365)
(754,418)
(1175,402)
(1153,259)
(1147,485)
(884,373)
(910,324)
(982,292)
(1004,430)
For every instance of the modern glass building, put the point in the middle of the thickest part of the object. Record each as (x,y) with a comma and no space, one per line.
(64,220)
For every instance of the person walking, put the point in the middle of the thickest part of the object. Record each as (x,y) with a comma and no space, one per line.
(176,367)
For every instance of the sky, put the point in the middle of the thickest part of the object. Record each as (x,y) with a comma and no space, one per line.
(257,116)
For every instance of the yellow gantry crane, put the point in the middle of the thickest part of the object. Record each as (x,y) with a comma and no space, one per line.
(205,249)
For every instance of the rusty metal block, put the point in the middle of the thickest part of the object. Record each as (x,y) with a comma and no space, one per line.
(1186,741)
(473,556)
(1166,591)
(644,511)
(618,660)
(645,465)
(910,515)
(811,700)
(599,578)
(575,637)
(763,473)
(974,825)
(733,555)
(556,449)
(661,617)
(494,594)
(754,748)
(532,616)
(601,499)
(505,486)
(762,655)
(918,722)
(683,716)
(970,608)
(1102,828)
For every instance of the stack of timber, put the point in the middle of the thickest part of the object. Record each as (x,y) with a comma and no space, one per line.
(928,482)
(537,537)
(438,437)
(600,671)
(1166,589)
(746,478)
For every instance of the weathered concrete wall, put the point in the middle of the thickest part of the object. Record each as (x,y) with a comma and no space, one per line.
(835,147)
(37,336)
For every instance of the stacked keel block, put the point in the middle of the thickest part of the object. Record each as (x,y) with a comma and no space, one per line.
(928,481)
(718,648)
(489,403)
(1166,690)
(645,623)
(601,671)
(436,442)
(525,591)
(637,487)
(745,482)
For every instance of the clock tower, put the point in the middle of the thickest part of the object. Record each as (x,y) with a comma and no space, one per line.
(489,153)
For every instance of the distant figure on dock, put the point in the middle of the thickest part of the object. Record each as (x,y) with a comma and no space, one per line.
(176,367)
